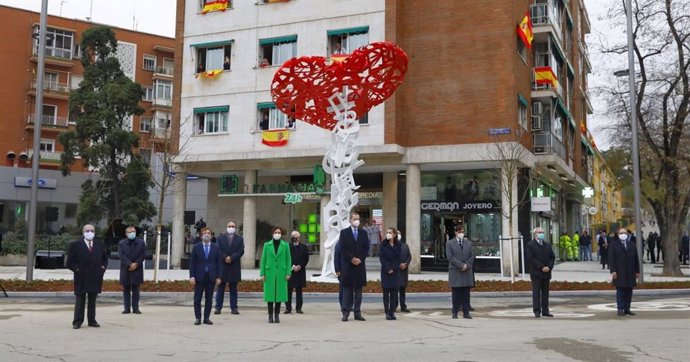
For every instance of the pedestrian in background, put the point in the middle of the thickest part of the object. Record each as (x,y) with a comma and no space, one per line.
(625,270)
(87,259)
(603,243)
(585,246)
(275,270)
(298,279)
(231,247)
(460,274)
(389,255)
(405,259)
(204,274)
(540,258)
(685,248)
(132,251)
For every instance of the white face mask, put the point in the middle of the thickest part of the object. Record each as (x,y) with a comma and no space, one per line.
(389,236)
(88,235)
(461,236)
(355,223)
(131,235)
(623,237)
(277,236)
(230,230)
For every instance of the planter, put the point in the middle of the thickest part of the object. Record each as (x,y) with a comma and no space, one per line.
(13,260)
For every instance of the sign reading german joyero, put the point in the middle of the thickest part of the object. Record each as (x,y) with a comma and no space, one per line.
(459,206)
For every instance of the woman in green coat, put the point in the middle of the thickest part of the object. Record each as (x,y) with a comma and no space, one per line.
(275,272)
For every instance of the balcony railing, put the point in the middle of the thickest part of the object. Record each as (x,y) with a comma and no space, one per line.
(165,70)
(52,86)
(161,132)
(162,102)
(45,156)
(65,54)
(547,144)
(47,120)
(541,81)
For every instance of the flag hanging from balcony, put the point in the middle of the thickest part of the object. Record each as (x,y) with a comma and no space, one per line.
(209,73)
(218,5)
(545,76)
(524,30)
(275,138)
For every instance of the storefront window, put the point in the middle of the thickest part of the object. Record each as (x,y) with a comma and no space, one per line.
(484,230)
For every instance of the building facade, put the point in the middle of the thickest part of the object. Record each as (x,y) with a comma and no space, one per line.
(435,153)
(145,58)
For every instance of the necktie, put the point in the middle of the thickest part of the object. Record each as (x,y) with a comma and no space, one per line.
(206,250)
(540,243)
(90,247)
(460,242)
(625,245)
(354,232)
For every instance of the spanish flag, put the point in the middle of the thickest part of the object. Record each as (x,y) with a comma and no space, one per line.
(218,5)
(524,30)
(209,73)
(545,75)
(275,138)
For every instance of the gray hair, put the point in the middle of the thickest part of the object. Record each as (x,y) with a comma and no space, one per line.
(537,230)
(294,234)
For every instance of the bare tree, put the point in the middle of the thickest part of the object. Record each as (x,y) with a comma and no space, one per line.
(662,49)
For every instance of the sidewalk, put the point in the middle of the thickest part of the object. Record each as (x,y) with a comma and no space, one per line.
(568,271)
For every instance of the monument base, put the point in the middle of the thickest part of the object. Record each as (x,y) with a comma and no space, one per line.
(331,278)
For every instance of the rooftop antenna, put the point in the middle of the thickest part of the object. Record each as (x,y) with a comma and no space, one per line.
(134,15)
(88,18)
(62,2)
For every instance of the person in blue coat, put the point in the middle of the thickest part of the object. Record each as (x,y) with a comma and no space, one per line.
(204,272)
(354,248)
(389,255)
(231,247)
(132,251)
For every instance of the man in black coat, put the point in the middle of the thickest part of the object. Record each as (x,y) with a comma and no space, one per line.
(231,247)
(204,272)
(405,259)
(132,252)
(88,260)
(539,257)
(354,248)
(625,270)
(298,280)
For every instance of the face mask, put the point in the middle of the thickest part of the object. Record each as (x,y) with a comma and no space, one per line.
(294,240)
(623,237)
(131,236)
(355,223)
(389,236)
(461,235)
(540,236)
(230,230)
(276,236)
(88,235)
(206,237)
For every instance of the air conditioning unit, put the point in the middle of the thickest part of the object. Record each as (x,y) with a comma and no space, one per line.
(537,123)
(537,108)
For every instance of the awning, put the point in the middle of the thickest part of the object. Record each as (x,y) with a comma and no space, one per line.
(212,44)
(563,109)
(264,105)
(523,100)
(212,109)
(359,29)
(280,39)
(559,52)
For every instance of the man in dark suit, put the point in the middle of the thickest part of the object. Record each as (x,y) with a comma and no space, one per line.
(298,280)
(231,247)
(204,272)
(460,273)
(132,252)
(354,248)
(405,259)
(337,265)
(88,260)
(625,270)
(539,257)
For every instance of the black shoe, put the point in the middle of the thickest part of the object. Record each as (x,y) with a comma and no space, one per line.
(94,324)
(270,318)
(208,321)
(299,311)
(217,311)
(277,318)
(467,316)
(393,317)
(629,312)
(125,312)
(547,314)
(76,326)
(455,316)
(621,313)
(235,311)
(359,318)
(197,322)
(344,319)
(388,317)
(137,311)
(287,311)
(471,309)
(537,315)
(405,310)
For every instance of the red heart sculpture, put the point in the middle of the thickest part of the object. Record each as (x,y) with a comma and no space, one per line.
(302,86)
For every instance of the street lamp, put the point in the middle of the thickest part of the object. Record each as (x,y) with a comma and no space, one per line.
(634,152)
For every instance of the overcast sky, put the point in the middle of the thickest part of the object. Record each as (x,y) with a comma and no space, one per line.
(158,17)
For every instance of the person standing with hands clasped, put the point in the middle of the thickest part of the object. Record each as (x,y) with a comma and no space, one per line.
(354,248)
(405,259)
(88,260)
(625,270)
(460,274)
(231,247)
(132,251)
(389,255)
(275,272)
(540,258)
(298,280)
(204,273)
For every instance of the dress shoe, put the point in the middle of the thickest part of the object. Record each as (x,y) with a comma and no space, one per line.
(537,315)
(197,322)
(125,312)
(277,318)
(235,311)
(137,311)
(344,319)
(393,317)
(208,321)
(94,324)
(455,316)
(287,311)
(467,316)
(547,314)
(76,326)
(629,312)
(388,317)
(270,318)
(217,311)
(299,311)
(359,318)
(471,309)
(621,313)
(405,310)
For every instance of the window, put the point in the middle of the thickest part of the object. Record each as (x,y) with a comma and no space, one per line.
(148,93)
(47,145)
(269,117)
(521,48)
(557,126)
(522,113)
(74,82)
(276,51)
(149,62)
(163,90)
(168,67)
(162,121)
(364,119)
(211,120)
(272,1)
(50,81)
(59,43)
(213,56)
(145,124)
(70,211)
(49,116)
(346,41)
(214,5)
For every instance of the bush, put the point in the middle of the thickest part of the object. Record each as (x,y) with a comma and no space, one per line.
(14,244)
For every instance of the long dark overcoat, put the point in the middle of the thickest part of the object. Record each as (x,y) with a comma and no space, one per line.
(133,251)
(88,266)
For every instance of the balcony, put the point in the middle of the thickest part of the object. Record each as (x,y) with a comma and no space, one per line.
(55,56)
(165,72)
(544,19)
(545,83)
(48,122)
(47,158)
(52,89)
(161,104)
(547,144)
(161,133)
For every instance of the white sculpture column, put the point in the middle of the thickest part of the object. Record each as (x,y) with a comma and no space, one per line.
(323,235)
(249,221)
(413,216)
(390,201)
(179,207)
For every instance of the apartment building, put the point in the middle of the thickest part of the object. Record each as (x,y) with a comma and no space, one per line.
(472,83)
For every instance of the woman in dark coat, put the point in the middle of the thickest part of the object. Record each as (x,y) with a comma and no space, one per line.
(389,254)
(603,243)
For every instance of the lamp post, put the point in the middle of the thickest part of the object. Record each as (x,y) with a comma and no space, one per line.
(634,152)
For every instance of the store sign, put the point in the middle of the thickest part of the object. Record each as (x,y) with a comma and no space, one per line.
(457,206)
(370,195)
(440,206)
(479,205)
(292,199)
(499,131)
(541,204)
(43,183)
(282,188)
(587,192)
